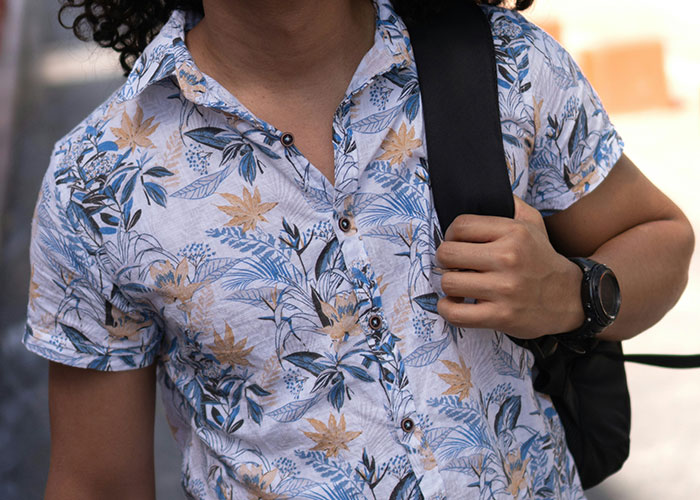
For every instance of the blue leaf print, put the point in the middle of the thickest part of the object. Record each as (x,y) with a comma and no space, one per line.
(81,343)
(267,151)
(411,107)
(377,122)
(580,130)
(436,436)
(407,489)
(100,363)
(504,362)
(428,302)
(427,354)
(357,372)
(254,410)
(213,269)
(208,137)
(336,396)
(292,486)
(507,416)
(328,257)
(247,167)
(291,412)
(307,361)
(340,474)
(158,172)
(471,437)
(80,219)
(107,146)
(128,188)
(204,186)
(156,193)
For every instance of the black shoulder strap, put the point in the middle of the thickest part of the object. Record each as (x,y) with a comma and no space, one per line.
(456,61)
(457,69)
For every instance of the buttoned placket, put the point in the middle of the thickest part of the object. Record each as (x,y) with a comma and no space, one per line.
(376,325)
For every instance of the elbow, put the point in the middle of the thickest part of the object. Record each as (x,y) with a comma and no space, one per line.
(687,247)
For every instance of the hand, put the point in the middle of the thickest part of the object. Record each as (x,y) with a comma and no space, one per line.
(522,286)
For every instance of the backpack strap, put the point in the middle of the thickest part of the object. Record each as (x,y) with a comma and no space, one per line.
(456,61)
(665,360)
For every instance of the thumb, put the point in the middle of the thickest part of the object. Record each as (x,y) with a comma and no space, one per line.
(526,213)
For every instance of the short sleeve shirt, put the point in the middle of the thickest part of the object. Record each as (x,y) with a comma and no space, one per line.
(294,321)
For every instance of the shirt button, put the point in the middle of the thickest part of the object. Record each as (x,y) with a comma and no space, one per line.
(407,425)
(344,224)
(375,322)
(287,140)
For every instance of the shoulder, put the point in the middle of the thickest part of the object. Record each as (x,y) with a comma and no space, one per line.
(522,44)
(99,172)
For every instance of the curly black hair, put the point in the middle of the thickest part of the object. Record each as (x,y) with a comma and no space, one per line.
(127,26)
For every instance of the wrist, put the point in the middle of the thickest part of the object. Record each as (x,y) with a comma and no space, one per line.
(573,315)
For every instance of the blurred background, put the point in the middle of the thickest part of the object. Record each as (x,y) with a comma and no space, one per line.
(642,56)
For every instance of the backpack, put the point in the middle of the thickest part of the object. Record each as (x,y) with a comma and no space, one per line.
(454,52)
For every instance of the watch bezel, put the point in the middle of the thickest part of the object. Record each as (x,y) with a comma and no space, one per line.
(596,317)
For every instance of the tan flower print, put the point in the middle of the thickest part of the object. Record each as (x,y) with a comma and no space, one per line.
(259,485)
(399,145)
(173,281)
(330,438)
(459,379)
(124,325)
(228,351)
(515,470)
(247,210)
(343,317)
(33,289)
(134,132)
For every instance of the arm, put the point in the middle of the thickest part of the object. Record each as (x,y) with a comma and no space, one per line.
(634,229)
(526,287)
(101,434)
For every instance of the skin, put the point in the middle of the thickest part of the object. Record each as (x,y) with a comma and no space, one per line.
(102,423)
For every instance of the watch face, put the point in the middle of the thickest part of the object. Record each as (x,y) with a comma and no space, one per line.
(609,294)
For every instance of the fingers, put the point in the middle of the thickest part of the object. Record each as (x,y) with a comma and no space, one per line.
(477,228)
(461,255)
(468,284)
(477,256)
(461,315)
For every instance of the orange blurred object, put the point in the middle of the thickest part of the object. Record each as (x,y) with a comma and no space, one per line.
(628,77)
(553,28)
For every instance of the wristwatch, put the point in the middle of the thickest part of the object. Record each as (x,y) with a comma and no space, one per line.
(600,296)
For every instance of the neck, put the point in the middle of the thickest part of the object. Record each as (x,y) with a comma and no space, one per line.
(276,43)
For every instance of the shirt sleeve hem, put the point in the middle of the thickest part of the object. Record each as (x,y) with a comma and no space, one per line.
(586,185)
(34,340)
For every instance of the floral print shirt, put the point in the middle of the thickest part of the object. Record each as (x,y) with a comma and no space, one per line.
(294,321)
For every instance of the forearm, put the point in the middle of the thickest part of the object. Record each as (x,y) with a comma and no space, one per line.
(651,263)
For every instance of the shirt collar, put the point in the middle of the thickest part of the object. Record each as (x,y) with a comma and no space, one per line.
(167,57)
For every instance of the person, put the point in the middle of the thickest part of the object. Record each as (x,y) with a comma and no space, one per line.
(251,213)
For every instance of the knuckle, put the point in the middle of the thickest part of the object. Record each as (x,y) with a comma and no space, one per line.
(462,223)
(444,253)
(449,284)
(508,258)
(448,311)
(508,287)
